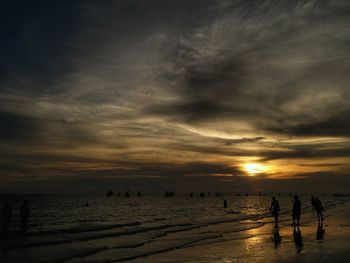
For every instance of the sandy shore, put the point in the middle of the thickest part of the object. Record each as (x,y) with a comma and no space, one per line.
(331,243)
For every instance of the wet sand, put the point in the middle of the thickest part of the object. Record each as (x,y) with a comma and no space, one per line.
(261,244)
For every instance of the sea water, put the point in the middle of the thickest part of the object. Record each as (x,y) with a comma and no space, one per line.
(114,229)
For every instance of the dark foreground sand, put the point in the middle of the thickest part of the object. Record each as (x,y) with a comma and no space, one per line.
(261,244)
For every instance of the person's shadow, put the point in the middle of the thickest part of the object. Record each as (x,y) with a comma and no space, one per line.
(320,230)
(298,239)
(276,237)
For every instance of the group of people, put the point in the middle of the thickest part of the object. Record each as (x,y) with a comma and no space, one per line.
(6,216)
(296,210)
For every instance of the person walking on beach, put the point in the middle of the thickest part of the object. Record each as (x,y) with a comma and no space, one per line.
(275,209)
(24,215)
(296,211)
(319,208)
(6,214)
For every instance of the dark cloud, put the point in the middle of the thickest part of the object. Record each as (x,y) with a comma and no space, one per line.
(307,152)
(264,69)
(338,125)
(33,47)
(17,128)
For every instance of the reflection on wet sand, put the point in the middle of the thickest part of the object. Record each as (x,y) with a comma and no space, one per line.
(320,230)
(298,239)
(256,237)
(276,237)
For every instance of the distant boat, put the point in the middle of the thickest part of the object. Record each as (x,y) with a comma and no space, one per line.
(109,193)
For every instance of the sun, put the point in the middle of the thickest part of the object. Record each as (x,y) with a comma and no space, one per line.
(254,168)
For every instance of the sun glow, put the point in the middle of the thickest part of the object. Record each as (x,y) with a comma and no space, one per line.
(254,168)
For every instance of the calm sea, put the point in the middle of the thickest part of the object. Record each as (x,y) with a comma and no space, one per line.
(112,229)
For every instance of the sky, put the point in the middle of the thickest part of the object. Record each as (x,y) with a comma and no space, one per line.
(228,95)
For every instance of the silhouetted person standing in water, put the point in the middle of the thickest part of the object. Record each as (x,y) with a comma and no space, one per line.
(225,203)
(313,202)
(319,208)
(275,209)
(6,215)
(24,214)
(296,210)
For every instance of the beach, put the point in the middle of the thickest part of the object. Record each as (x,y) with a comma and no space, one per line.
(177,229)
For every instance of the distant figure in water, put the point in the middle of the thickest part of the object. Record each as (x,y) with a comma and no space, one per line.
(225,203)
(298,239)
(6,214)
(24,214)
(139,193)
(296,210)
(319,209)
(169,194)
(109,193)
(312,200)
(127,193)
(275,209)
(320,231)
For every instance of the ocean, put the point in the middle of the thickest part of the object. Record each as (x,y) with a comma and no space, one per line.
(117,229)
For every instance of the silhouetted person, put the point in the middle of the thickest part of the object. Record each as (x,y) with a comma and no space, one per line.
(139,193)
(169,194)
(312,200)
(276,237)
(320,231)
(127,193)
(202,194)
(319,209)
(275,209)
(225,203)
(6,214)
(24,214)
(298,239)
(296,210)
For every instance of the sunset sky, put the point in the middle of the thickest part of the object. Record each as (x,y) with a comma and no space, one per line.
(172,94)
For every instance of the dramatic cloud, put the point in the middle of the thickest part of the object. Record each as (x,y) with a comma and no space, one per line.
(175,91)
